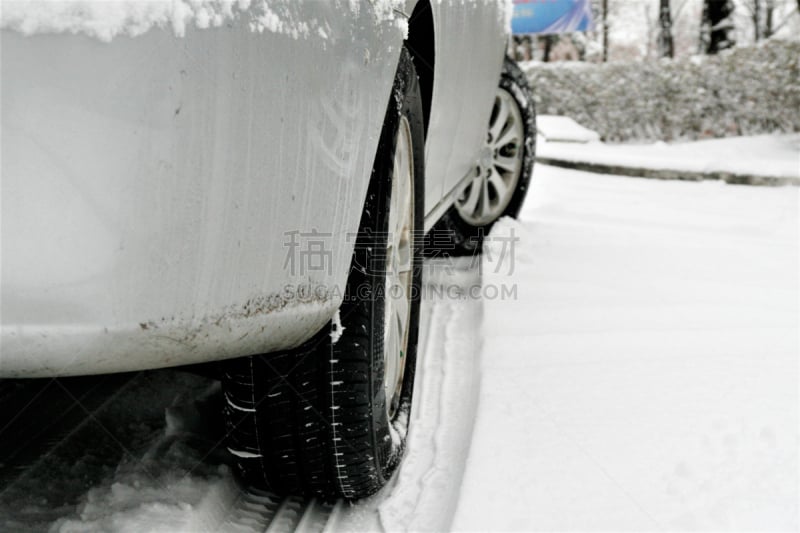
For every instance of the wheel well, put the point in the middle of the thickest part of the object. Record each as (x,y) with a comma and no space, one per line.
(421,44)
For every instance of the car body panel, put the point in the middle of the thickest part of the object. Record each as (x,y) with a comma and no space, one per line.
(470,43)
(158,192)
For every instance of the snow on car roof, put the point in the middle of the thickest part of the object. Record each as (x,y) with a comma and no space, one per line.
(106,19)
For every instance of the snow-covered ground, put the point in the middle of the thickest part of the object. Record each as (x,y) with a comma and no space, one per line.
(644,378)
(759,155)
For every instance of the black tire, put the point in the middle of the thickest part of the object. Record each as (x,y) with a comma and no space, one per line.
(313,421)
(452,234)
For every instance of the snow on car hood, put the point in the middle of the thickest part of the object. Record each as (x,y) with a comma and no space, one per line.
(106,19)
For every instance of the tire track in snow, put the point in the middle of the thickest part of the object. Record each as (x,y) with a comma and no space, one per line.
(456,392)
(424,492)
(251,513)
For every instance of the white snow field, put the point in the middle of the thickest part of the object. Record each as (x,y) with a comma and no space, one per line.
(644,378)
(647,376)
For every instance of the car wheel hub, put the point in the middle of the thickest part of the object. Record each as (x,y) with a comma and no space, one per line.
(399,265)
(499,165)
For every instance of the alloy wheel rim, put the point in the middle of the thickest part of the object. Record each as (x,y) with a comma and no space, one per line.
(399,265)
(496,176)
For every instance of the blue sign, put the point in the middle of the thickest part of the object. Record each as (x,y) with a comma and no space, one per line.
(551,16)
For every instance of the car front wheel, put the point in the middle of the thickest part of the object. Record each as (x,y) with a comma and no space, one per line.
(330,419)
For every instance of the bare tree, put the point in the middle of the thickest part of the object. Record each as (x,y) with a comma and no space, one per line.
(651,30)
(599,35)
(605,30)
(716,29)
(769,16)
(775,10)
(666,45)
(549,41)
(754,9)
(756,13)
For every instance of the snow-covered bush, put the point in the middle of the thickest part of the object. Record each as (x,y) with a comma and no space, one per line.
(743,91)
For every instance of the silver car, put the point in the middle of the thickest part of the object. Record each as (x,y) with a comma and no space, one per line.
(253,184)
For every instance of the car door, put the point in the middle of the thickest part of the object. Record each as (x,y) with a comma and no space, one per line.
(470,43)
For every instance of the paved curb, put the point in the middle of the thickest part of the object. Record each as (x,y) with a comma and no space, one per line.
(665,174)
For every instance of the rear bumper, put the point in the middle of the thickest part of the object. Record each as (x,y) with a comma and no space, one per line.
(150,186)
(59,350)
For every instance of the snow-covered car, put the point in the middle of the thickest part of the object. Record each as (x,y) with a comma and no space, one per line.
(186,182)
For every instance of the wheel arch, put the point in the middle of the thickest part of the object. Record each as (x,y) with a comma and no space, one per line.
(421,42)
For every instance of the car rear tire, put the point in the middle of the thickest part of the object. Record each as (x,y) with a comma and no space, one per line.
(330,419)
(502,175)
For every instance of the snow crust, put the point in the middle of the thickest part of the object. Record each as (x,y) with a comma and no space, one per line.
(423,494)
(556,128)
(106,19)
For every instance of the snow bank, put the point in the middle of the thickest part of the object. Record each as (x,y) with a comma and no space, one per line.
(776,156)
(746,91)
(563,129)
(106,19)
